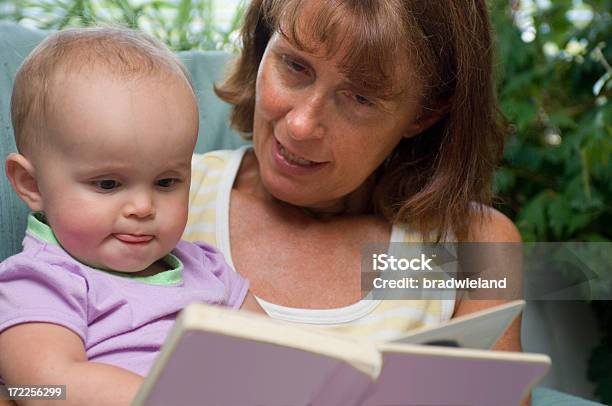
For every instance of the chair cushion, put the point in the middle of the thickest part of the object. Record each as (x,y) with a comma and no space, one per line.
(548,397)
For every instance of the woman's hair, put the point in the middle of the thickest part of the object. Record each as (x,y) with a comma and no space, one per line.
(430,180)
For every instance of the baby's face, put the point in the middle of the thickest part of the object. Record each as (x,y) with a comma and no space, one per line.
(115,174)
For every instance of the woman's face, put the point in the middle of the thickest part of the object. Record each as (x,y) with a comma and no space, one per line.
(316,137)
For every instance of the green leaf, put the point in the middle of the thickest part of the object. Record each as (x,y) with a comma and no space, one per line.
(559,213)
(532,217)
(561,120)
(504,180)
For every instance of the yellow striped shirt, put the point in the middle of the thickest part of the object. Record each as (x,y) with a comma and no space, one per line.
(212,179)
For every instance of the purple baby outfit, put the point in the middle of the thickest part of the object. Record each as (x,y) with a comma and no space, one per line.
(122,321)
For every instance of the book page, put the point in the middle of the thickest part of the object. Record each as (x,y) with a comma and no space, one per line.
(428,375)
(479,330)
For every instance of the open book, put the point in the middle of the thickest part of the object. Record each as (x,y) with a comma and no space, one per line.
(217,356)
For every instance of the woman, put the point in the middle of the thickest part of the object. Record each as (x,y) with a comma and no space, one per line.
(371,121)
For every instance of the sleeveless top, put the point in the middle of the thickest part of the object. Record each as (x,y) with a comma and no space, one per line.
(212,179)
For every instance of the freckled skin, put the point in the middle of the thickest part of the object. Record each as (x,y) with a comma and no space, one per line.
(305,103)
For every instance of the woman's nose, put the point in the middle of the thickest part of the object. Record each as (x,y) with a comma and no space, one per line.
(305,119)
(140,205)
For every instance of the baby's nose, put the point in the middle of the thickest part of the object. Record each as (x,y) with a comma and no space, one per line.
(140,205)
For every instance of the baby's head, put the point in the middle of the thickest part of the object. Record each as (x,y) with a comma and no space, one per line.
(105,123)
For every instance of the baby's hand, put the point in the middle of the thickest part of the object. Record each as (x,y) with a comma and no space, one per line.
(49,354)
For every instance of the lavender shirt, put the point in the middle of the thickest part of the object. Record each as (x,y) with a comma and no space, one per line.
(122,321)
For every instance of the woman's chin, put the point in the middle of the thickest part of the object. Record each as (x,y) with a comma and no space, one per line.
(288,195)
(303,198)
(287,192)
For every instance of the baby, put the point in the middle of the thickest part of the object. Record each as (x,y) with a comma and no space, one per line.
(105,124)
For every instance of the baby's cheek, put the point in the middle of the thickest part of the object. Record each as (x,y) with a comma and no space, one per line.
(79,231)
(174,224)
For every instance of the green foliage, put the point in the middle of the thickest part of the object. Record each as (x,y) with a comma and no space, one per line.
(556,179)
(181,24)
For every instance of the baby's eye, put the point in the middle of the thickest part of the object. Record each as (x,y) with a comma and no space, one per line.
(167,182)
(106,184)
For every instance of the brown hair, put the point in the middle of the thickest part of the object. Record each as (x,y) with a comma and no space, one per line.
(119,51)
(430,180)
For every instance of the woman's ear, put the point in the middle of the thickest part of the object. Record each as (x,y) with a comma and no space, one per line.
(21,174)
(427,118)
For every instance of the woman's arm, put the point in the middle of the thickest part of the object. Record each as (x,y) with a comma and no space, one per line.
(496,228)
(48,354)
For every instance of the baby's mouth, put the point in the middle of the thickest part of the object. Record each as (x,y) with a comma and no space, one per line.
(133,238)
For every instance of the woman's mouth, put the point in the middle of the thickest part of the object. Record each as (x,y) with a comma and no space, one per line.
(293,162)
(294,159)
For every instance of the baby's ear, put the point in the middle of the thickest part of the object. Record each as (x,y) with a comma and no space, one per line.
(21,174)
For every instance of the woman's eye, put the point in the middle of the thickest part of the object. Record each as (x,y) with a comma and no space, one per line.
(293,65)
(358,100)
(166,183)
(106,184)
(363,101)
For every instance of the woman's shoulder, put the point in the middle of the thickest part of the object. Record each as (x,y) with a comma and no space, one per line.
(208,170)
(215,159)
(490,225)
